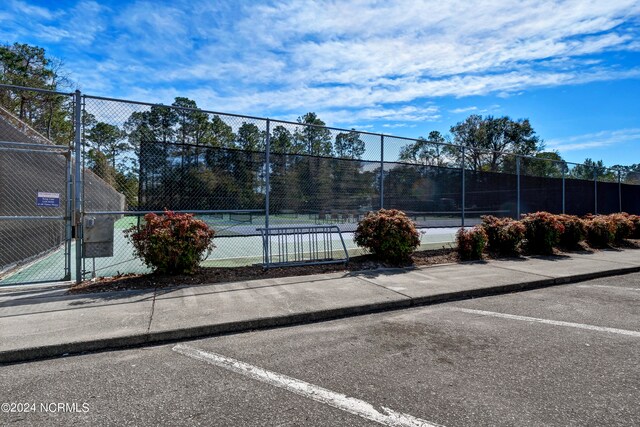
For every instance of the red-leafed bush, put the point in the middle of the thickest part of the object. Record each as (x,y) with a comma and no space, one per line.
(471,242)
(623,224)
(389,234)
(543,232)
(601,231)
(575,230)
(504,234)
(635,220)
(172,243)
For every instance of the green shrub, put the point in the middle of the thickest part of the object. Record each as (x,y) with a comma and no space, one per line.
(504,234)
(389,234)
(624,226)
(171,243)
(543,232)
(575,230)
(471,242)
(601,231)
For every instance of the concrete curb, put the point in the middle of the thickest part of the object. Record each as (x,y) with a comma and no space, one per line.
(161,337)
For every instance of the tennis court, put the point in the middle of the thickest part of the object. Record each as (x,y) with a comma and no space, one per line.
(237,241)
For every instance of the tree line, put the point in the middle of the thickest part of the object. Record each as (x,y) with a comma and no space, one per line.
(491,144)
(29,66)
(189,159)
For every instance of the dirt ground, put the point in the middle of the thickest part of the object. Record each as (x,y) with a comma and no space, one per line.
(255,272)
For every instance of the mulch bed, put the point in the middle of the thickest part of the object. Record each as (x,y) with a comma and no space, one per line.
(209,275)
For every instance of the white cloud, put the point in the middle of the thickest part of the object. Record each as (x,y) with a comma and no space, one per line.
(463,110)
(595,140)
(398,125)
(28,10)
(315,56)
(76,26)
(351,60)
(360,127)
(345,98)
(402,114)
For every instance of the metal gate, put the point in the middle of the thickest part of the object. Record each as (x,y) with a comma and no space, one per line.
(35,213)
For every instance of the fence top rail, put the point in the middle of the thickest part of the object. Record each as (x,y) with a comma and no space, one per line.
(242,116)
(33,150)
(38,146)
(173,107)
(34,89)
(31,218)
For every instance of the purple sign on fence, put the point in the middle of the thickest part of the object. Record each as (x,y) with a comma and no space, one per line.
(49,200)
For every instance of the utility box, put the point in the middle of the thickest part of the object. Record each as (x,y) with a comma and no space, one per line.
(98,236)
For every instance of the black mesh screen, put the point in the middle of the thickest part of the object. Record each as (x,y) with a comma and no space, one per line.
(183,177)
(631,198)
(490,193)
(579,196)
(608,197)
(540,194)
(431,195)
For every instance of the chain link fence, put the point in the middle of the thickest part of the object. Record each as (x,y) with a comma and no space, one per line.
(34,185)
(241,174)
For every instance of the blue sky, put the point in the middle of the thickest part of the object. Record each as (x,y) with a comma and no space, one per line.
(397,67)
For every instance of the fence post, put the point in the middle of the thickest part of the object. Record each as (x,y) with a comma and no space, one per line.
(463,188)
(564,194)
(77,218)
(518,187)
(68,216)
(381,171)
(595,190)
(267,184)
(620,190)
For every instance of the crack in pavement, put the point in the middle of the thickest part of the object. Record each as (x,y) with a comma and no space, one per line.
(153,307)
(381,286)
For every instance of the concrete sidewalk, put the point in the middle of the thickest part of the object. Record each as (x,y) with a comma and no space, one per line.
(46,322)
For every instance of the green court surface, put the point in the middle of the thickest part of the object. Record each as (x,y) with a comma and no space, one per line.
(233,248)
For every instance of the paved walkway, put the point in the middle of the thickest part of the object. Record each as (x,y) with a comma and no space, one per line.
(42,322)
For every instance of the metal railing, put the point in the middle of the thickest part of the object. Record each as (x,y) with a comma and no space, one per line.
(291,246)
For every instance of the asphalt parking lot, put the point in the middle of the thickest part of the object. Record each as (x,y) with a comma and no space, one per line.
(565,355)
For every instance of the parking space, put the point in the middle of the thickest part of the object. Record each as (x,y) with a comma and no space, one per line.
(566,355)
(611,302)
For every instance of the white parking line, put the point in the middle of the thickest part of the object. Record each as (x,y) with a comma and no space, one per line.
(609,287)
(319,394)
(550,322)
